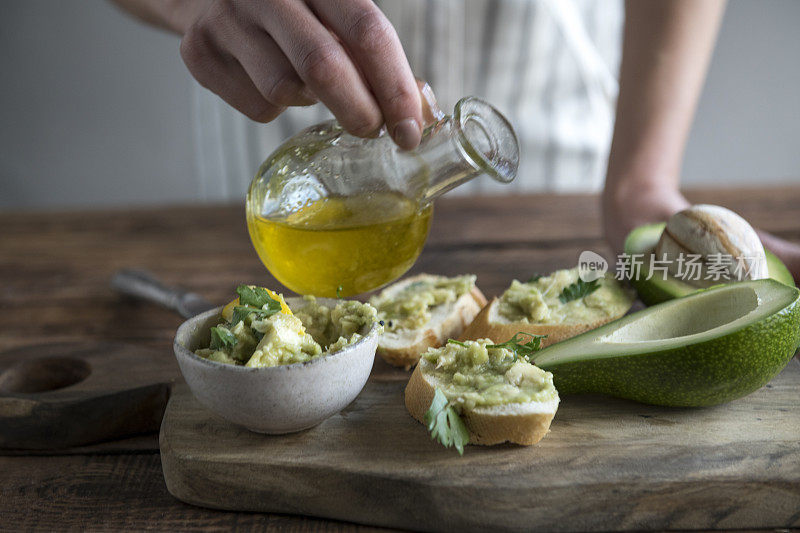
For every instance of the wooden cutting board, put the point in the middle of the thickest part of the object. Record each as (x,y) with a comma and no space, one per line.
(606,465)
(61,395)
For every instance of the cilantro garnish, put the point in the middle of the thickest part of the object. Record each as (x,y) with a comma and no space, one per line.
(518,347)
(257,297)
(444,423)
(535,277)
(339,292)
(254,300)
(240,312)
(579,289)
(222,338)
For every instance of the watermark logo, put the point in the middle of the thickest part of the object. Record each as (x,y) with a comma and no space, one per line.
(591,266)
(688,267)
(715,268)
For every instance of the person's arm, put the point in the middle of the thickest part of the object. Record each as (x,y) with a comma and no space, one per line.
(666,49)
(264,56)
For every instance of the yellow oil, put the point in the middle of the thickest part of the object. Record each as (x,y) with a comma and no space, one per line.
(358,243)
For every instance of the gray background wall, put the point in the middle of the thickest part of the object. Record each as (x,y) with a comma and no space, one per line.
(95,108)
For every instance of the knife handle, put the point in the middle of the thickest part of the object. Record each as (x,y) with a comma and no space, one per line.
(145,286)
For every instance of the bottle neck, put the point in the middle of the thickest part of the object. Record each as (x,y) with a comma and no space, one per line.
(476,140)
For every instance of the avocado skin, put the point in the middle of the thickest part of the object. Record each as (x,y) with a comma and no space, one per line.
(643,240)
(702,374)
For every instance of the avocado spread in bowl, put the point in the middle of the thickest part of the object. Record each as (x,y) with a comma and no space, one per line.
(263,331)
(278,366)
(481,374)
(562,298)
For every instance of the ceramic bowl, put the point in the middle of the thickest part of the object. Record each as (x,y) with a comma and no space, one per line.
(279,399)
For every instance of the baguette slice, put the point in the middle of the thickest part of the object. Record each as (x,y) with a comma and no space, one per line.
(520,423)
(490,325)
(404,347)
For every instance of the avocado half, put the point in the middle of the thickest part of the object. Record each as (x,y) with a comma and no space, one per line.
(643,240)
(710,347)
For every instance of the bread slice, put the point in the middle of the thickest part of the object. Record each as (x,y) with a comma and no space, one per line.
(404,347)
(488,324)
(520,423)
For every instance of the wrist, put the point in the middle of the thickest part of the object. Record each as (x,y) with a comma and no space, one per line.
(633,201)
(625,193)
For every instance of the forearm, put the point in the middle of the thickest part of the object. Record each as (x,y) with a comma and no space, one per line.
(172,15)
(666,50)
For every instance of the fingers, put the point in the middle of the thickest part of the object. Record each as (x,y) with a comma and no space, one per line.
(373,45)
(787,252)
(264,57)
(234,58)
(324,65)
(224,76)
(270,71)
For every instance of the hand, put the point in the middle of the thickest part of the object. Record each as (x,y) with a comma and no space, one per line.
(627,207)
(262,57)
(788,252)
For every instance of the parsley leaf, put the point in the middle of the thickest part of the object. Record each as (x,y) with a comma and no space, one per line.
(254,300)
(535,277)
(444,423)
(518,347)
(241,312)
(222,338)
(579,289)
(257,297)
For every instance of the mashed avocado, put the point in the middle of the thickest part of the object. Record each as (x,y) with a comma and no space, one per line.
(330,325)
(472,375)
(411,307)
(285,341)
(538,302)
(264,336)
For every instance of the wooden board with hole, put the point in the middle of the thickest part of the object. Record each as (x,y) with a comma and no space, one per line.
(55,396)
(607,464)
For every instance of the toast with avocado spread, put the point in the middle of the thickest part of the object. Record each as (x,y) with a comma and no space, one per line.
(422,312)
(480,392)
(559,305)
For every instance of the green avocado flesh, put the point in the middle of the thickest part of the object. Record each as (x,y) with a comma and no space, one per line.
(657,289)
(707,348)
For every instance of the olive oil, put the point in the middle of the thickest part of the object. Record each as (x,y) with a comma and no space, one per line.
(340,246)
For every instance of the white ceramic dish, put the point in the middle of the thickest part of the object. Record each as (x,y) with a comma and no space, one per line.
(280,399)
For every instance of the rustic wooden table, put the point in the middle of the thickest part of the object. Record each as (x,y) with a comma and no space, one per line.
(55,269)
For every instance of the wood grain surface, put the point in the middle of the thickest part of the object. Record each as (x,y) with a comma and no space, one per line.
(119,492)
(54,273)
(61,262)
(61,395)
(606,465)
